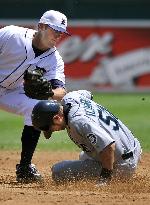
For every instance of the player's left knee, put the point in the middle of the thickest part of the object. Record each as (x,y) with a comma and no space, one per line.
(55,172)
(60,171)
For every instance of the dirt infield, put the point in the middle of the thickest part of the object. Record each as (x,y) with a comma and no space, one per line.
(135,191)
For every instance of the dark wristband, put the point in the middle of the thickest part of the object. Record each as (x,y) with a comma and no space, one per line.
(106,173)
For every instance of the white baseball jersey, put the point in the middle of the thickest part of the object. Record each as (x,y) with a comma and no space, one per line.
(17,55)
(92,127)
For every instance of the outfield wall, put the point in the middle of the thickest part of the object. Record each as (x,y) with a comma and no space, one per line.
(104,55)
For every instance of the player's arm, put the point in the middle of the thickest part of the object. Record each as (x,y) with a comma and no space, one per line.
(58,94)
(107,156)
(101,141)
(57,77)
(58,89)
(104,145)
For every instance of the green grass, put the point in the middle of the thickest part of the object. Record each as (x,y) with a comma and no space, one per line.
(10,135)
(130,108)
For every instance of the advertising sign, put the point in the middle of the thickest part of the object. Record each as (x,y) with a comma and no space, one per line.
(106,55)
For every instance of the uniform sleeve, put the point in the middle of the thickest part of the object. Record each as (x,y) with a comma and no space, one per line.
(94,134)
(56,68)
(75,96)
(3,37)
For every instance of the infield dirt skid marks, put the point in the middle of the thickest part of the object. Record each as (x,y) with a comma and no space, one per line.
(135,191)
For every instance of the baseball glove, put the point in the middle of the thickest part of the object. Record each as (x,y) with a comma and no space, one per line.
(36,86)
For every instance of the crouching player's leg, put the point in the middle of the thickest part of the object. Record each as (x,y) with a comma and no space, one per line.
(87,168)
(74,170)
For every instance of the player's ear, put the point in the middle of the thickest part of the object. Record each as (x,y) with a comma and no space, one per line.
(41,26)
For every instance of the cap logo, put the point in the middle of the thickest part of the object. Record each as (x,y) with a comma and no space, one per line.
(63,22)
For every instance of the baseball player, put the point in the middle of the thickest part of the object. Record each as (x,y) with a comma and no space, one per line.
(109,147)
(27,51)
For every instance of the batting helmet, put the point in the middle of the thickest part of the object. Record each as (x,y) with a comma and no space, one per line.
(43,113)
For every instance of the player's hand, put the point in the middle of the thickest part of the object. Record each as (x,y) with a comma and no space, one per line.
(102,182)
(105,177)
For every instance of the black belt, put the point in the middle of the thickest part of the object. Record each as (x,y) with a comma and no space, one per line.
(127,155)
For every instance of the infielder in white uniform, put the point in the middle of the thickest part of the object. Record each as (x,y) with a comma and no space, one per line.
(109,147)
(21,49)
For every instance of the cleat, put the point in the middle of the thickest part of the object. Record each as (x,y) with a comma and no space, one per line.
(27,173)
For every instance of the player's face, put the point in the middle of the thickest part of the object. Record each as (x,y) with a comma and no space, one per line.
(58,123)
(49,36)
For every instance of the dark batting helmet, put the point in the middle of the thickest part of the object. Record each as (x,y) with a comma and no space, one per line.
(43,113)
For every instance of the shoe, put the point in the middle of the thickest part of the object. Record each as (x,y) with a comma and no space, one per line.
(27,173)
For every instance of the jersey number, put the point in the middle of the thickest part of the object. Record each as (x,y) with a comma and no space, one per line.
(109,117)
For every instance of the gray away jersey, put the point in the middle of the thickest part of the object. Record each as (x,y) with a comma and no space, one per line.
(92,127)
